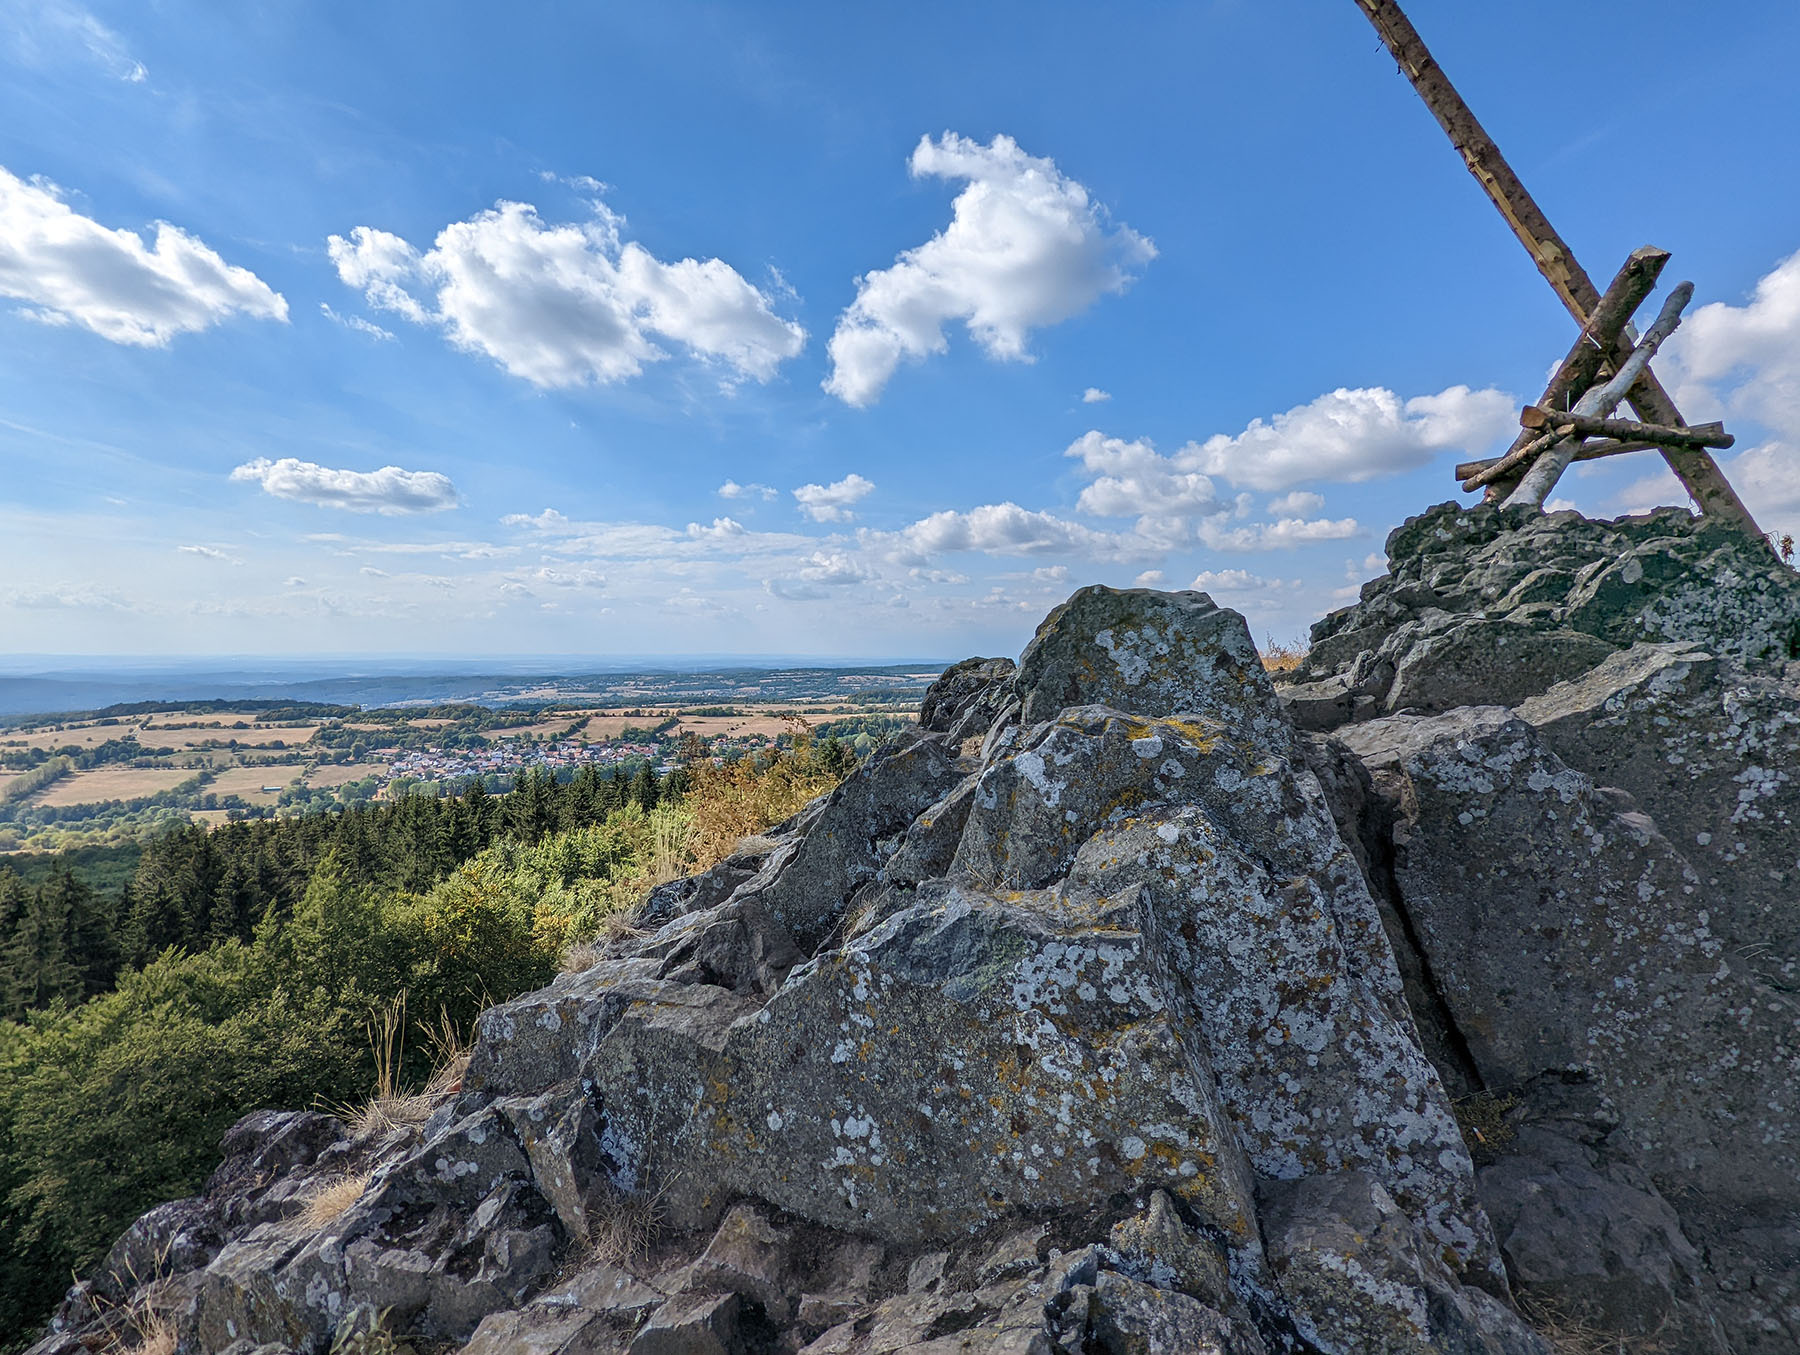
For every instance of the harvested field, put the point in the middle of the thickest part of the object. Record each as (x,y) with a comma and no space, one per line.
(249,782)
(291,735)
(81,736)
(111,783)
(332,776)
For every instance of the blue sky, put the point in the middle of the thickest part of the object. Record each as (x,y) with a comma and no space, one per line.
(861,331)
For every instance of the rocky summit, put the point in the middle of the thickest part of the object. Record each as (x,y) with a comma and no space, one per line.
(1441,1000)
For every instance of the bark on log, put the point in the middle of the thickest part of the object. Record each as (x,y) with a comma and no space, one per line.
(1537,482)
(1502,467)
(1588,356)
(1473,473)
(1538,418)
(1697,471)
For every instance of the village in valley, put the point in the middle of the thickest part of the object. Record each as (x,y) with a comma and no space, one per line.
(118,774)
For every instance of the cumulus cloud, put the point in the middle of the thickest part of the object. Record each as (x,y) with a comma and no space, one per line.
(1298,504)
(1240,581)
(1093,395)
(833,502)
(731,489)
(71,270)
(1134,479)
(1007,529)
(566,305)
(1025,248)
(817,575)
(389,491)
(1351,435)
(1279,535)
(1744,362)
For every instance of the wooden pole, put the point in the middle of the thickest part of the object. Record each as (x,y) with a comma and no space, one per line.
(1587,357)
(1697,471)
(1599,402)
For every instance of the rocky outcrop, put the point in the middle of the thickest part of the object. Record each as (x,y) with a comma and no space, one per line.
(1066,1023)
(1485,605)
(1597,888)
(1105,1012)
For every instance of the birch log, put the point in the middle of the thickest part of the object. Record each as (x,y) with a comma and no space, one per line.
(1587,357)
(1599,402)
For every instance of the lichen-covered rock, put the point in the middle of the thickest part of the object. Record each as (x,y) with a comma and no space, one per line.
(1710,750)
(967,698)
(1361,1280)
(975,1053)
(1566,932)
(1149,653)
(1559,589)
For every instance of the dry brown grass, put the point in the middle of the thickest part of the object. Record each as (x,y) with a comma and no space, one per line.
(111,783)
(622,1231)
(395,1106)
(1279,657)
(1569,1334)
(730,803)
(330,1201)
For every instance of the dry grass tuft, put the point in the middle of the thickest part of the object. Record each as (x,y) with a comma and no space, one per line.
(394,1106)
(1570,1334)
(329,1202)
(622,1233)
(147,1332)
(1482,1119)
(1278,657)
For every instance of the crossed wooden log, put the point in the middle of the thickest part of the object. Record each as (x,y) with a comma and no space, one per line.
(1608,365)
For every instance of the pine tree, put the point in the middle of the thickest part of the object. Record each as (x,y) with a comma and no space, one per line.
(643,791)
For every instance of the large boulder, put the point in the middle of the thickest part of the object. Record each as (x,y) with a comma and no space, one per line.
(1568,935)
(1490,606)
(1710,749)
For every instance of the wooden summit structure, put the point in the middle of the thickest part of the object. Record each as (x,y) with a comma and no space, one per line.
(1609,362)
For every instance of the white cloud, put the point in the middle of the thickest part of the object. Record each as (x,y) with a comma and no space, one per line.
(356,322)
(1093,395)
(832,502)
(1134,479)
(1280,535)
(1354,435)
(1007,529)
(1240,581)
(1025,248)
(1298,504)
(731,489)
(566,305)
(389,491)
(1150,578)
(208,552)
(72,270)
(1743,362)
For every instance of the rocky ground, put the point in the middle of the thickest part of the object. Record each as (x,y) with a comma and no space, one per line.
(1131,1005)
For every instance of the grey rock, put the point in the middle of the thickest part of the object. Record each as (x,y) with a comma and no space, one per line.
(1565,931)
(1128,1317)
(1504,659)
(693,1324)
(1149,653)
(1425,635)
(1710,750)
(854,833)
(1360,1280)
(1596,1241)
(967,698)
